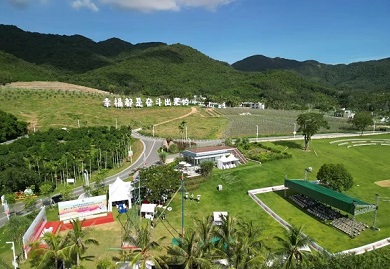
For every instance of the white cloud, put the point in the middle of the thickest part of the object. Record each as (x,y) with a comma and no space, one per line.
(77,4)
(208,4)
(143,5)
(165,5)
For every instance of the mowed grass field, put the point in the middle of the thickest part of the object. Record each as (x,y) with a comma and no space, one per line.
(367,164)
(45,109)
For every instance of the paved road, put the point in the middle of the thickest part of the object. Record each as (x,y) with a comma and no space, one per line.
(148,157)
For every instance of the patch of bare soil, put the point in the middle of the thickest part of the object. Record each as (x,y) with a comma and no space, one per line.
(383,183)
(52,85)
(193,110)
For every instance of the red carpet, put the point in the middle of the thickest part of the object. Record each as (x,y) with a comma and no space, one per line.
(91,222)
(55,225)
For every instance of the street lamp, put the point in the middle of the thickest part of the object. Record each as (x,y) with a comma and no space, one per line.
(295,130)
(309,169)
(257,132)
(14,262)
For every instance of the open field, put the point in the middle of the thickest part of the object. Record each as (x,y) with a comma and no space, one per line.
(58,108)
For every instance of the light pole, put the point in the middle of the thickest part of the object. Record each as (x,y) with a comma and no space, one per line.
(153,130)
(295,132)
(257,132)
(14,262)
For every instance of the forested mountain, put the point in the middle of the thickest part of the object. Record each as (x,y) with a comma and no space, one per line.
(368,76)
(158,69)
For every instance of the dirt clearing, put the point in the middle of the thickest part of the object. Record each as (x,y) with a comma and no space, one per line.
(383,183)
(52,85)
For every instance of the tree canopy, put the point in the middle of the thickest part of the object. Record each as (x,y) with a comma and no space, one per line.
(309,124)
(362,120)
(10,127)
(335,176)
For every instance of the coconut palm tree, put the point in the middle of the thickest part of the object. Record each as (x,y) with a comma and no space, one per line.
(293,251)
(145,247)
(248,248)
(78,241)
(49,252)
(206,232)
(189,254)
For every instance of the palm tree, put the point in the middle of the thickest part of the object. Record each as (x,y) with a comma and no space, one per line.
(145,247)
(189,253)
(77,241)
(248,247)
(226,234)
(182,127)
(49,252)
(206,232)
(293,244)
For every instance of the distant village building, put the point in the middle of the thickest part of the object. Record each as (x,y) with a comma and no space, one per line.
(253,105)
(344,113)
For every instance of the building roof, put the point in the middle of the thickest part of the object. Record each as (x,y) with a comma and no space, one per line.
(330,197)
(209,149)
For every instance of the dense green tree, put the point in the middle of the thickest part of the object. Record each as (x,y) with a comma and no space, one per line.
(159,180)
(16,227)
(309,124)
(335,176)
(362,120)
(10,127)
(206,168)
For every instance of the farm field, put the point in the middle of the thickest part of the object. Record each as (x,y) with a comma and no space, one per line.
(45,109)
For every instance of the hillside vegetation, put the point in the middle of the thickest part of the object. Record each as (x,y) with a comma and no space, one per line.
(158,69)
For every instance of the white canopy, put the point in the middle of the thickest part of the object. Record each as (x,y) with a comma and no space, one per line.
(119,191)
(149,210)
(227,162)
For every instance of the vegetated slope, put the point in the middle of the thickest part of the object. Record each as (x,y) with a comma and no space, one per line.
(74,53)
(163,70)
(179,70)
(369,76)
(15,69)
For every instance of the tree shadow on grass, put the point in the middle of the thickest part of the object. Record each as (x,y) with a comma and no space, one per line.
(289,144)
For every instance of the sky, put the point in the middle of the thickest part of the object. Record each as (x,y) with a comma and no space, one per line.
(329,31)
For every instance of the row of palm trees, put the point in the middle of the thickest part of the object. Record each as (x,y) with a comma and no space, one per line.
(235,245)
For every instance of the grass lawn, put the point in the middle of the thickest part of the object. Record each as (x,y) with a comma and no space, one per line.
(367,164)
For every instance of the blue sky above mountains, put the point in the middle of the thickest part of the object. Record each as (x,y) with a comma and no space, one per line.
(332,31)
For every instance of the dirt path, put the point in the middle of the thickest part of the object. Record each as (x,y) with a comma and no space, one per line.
(193,110)
(52,85)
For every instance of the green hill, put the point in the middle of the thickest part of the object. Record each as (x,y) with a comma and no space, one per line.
(158,69)
(367,76)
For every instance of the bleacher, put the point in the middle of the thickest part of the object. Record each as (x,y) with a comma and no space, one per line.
(326,213)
